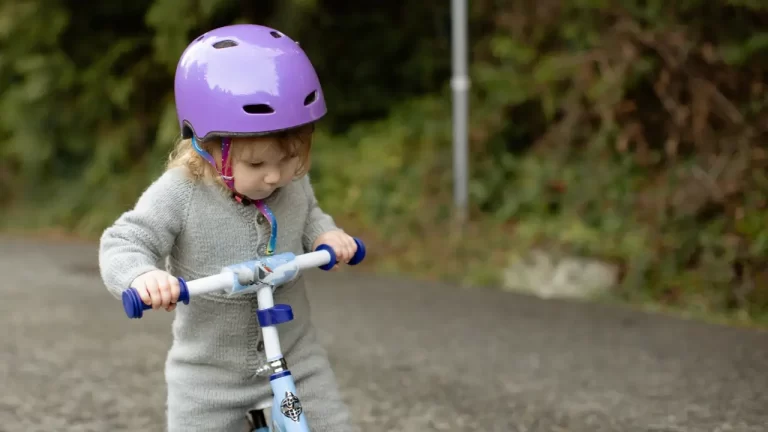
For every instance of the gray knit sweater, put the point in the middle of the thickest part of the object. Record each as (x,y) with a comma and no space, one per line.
(197,229)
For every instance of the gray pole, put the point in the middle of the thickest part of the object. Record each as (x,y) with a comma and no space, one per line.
(460,87)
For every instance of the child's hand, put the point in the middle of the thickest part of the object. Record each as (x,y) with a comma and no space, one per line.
(342,244)
(158,289)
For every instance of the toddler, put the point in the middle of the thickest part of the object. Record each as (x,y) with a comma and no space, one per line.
(236,188)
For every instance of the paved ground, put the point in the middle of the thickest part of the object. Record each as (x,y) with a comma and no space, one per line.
(410,357)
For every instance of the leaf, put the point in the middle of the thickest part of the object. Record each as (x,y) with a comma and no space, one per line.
(739,53)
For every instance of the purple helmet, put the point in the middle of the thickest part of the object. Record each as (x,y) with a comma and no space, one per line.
(245,80)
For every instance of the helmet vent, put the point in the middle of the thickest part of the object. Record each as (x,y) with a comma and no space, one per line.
(258,109)
(225,44)
(275,34)
(310,98)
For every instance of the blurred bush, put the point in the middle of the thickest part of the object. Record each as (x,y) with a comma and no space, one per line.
(629,130)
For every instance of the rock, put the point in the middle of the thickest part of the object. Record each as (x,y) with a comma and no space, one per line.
(548,276)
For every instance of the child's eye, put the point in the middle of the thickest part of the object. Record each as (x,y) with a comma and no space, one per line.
(256,164)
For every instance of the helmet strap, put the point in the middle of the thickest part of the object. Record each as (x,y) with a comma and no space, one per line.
(226,169)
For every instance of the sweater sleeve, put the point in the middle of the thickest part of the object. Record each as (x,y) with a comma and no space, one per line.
(144,235)
(318,222)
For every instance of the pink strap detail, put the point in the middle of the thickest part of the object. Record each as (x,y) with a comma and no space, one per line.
(226,168)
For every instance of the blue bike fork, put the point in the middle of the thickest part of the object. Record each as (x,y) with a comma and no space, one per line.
(287,411)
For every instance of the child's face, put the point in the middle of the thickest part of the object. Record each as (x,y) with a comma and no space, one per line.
(260,166)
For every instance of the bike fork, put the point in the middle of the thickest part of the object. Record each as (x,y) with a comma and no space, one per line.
(286,410)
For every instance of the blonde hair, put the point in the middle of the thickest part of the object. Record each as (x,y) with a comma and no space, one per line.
(293,142)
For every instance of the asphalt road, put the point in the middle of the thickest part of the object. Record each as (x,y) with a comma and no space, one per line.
(409,356)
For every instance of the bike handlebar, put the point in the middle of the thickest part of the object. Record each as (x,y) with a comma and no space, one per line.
(323,257)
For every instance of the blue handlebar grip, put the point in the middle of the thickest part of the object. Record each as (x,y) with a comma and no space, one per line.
(356,259)
(332,262)
(359,254)
(135,308)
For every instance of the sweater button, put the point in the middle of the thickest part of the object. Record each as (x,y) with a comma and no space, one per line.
(260,219)
(260,346)
(261,250)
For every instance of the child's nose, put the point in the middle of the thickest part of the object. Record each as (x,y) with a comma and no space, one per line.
(272,177)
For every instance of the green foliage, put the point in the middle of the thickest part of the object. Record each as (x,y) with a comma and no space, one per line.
(632,131)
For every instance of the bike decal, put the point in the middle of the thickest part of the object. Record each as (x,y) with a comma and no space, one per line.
(290,406)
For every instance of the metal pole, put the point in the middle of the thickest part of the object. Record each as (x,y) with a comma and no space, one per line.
(460,87)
